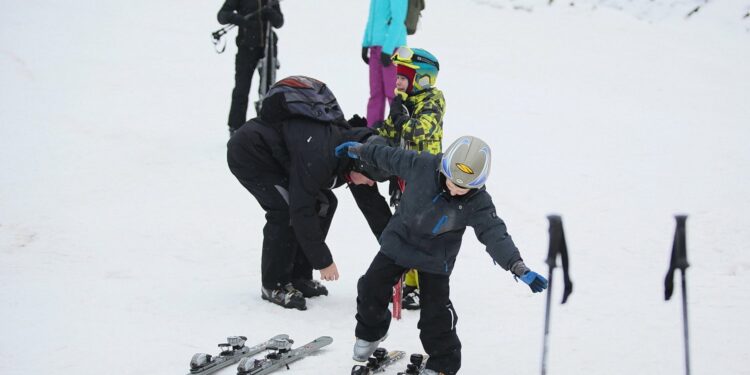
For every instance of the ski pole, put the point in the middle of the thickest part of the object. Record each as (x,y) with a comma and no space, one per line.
(685,323)
(683,264)
(679,261)
(266,67)
(554,221)
(557,246)
(546,317)
(220,44)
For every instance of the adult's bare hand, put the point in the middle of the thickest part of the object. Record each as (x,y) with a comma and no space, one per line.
(330,273)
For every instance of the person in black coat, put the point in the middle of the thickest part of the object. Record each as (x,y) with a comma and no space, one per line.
(285,158)
(251,40)
(444,194)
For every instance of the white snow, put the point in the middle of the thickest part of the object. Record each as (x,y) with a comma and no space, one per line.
(126,245)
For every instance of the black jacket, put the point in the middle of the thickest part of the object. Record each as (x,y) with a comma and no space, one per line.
(303,150)
(252,30)
(426,231)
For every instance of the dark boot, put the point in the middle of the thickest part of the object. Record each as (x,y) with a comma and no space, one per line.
(285,296)
(310,288)
(411,298)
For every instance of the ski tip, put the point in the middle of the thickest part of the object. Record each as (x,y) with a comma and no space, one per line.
(325,339)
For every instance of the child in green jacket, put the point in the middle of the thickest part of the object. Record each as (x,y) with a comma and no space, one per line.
(415,122)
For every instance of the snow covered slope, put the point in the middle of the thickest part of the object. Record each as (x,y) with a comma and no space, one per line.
(126,245)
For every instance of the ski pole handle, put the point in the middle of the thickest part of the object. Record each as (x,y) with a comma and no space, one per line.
(221,32)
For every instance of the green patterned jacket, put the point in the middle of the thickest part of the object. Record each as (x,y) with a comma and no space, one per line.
(423,129)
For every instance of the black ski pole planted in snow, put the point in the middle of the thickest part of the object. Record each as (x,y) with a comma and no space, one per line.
(679,261)
(557,246)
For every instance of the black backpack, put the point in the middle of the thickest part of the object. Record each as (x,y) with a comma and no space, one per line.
(301,96)
(413,13)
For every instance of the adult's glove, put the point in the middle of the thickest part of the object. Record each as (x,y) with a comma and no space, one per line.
(239,20)
(385,59)
(365,57)
(357,122)
(272,15)
(267,13)
(350,149)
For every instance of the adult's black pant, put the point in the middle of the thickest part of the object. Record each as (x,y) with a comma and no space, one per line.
(282,258)
(373,206)
(244,67)
(437,320)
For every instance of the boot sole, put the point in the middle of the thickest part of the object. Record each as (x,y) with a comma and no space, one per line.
(314,295)
(301,308)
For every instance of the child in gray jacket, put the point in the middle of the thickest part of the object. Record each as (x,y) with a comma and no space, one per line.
(444,194)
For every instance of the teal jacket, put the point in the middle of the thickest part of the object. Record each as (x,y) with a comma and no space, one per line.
(385,25)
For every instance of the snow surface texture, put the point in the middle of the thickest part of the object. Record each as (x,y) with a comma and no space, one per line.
(126,245)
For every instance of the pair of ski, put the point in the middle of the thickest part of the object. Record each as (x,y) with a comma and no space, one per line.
(234,350)
(382,358)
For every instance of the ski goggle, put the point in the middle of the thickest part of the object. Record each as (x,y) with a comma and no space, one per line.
(405,56)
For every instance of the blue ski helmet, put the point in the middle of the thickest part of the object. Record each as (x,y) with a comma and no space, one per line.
(417,64)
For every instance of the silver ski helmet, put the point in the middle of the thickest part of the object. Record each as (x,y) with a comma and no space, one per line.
(466,162)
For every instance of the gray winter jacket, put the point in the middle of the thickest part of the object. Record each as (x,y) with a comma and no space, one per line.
(426,231)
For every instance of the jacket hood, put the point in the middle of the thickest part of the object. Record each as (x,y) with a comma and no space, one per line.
(300,96)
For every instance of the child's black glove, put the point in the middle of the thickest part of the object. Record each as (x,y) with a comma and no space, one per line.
(365,57)
(397,108)
(398,113)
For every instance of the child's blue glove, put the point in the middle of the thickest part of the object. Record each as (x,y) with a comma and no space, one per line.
(536,282)
(349,149)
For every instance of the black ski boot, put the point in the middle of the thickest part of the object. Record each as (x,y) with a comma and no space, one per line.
(310,288)
(417,366)
(411,298)
(285,296)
